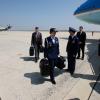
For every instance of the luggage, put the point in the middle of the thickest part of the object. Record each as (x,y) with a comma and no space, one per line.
(60,62)
(41,49)
(44,67)
(31,51)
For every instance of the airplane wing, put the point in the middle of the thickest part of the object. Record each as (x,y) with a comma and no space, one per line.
(1,28)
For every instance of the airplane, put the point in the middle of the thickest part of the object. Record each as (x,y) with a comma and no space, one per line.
(6,28)
(89,11)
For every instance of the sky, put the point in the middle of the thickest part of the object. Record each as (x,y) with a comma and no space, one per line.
(26,14)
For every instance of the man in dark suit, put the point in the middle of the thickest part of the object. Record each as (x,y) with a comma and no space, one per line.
(72,49)
(36,41)
(82,39)
(52,51)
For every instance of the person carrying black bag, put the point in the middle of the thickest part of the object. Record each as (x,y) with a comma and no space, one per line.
(36,42)
(51,52)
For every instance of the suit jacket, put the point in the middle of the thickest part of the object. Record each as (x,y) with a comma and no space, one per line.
(81,37)
(51,49)
(36,39)
(72,46)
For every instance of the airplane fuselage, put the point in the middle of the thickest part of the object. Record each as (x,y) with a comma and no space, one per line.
(89,12)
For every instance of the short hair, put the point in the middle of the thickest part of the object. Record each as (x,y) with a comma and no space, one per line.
(36,27)
(53,30)
(81,27)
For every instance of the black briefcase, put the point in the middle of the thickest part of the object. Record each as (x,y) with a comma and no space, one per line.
(44,67)
(60,62)
(31,51)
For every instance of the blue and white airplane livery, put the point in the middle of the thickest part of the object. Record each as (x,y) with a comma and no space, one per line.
(89,11)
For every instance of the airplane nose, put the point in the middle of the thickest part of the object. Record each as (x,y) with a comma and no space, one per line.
(88,6)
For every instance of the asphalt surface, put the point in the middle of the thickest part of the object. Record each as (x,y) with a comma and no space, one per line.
(20,77)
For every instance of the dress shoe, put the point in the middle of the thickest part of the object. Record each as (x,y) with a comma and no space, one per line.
(82,58)
(67,70)
(53,82)
(36,60)
(77,57)
(71,73)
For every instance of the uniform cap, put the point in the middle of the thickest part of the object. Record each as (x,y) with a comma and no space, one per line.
(72,30)
(53,30)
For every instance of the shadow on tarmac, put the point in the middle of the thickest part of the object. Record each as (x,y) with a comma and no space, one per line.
(74,99)
(37,79)
(85,76)
(93,58)
(97,87)
(28,58)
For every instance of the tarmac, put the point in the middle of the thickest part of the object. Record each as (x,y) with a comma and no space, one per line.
(20,77)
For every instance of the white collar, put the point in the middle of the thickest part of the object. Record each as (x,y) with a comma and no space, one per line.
(81,32)
(52,37)
(72,36)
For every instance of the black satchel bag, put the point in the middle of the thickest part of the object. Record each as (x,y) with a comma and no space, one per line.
(31,51)
(44,67)
(60,62)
